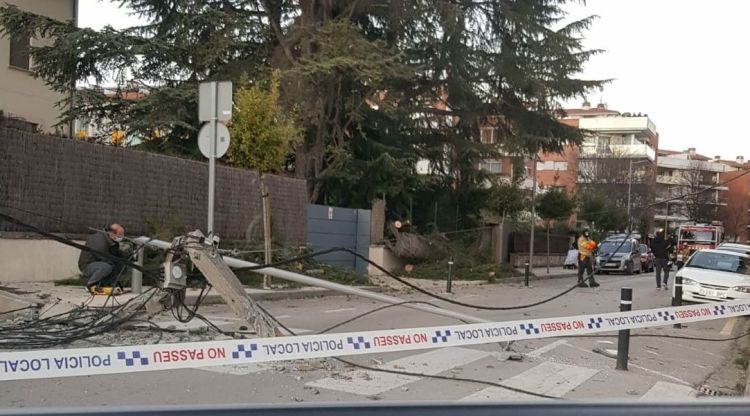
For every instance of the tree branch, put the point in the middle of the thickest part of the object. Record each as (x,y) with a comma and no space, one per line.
(279,34)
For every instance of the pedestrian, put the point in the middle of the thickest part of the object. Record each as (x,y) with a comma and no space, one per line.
(661,246)
(586,247)
(100,271)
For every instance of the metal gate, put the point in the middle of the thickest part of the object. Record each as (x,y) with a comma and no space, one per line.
(339,227)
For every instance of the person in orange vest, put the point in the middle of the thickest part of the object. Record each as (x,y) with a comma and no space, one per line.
(586,247)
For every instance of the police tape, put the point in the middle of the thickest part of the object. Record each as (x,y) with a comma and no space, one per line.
(17,365)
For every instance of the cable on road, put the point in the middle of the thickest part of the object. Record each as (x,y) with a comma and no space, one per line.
(372,311)
(299,258)
(683,337)
(413,374)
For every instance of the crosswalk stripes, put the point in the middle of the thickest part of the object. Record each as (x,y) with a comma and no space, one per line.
(367,383)
(663,391)
(552,379)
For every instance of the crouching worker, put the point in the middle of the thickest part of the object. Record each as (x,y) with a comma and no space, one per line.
(99,271)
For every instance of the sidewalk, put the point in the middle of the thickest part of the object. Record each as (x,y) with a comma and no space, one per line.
(540,273)
(71,296)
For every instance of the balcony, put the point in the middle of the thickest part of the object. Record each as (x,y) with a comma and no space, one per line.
(669,180)
(619,124)
(680,181)
(685,164)
(620,151)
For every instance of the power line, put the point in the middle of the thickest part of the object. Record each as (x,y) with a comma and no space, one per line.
(414,374)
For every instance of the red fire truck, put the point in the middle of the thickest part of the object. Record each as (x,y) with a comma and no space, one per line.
(691,238)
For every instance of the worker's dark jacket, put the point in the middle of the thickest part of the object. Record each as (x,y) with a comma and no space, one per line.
(660,247)
(100,243)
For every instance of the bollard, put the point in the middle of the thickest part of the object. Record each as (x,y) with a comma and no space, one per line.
(677,299)
(526,274)
(623,336)
(449,284)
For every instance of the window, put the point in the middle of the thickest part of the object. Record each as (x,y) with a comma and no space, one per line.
(488,135)
(492,166)
(551,165)
(19,51)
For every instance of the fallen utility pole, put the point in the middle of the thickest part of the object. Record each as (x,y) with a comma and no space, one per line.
(311,281)
(208,260)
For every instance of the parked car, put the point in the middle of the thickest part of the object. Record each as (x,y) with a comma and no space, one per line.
(740,248)
(626,257)
(715,275)
(647,258)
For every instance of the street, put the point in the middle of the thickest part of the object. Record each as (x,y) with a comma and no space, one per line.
(660,368)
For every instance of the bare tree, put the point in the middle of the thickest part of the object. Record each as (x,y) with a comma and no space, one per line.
(609,173)
(699,202)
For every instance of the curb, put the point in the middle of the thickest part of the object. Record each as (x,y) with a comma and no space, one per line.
(272,295)
(520,279)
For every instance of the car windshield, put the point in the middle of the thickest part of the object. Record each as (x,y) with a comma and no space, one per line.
(611,246)
(724,262)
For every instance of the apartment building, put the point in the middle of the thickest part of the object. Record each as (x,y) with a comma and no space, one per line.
(694,179)
(617,157)
(23,97)
(735,214)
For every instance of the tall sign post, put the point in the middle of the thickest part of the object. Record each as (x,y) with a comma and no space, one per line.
(214,107)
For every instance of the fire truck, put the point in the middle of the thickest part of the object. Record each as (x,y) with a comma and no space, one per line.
(691,238)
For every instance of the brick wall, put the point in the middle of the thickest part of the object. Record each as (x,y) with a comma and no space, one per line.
(87,185)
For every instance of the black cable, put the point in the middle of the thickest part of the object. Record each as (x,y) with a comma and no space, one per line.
(411,374)
(455,302)
(77,324)
(17,310)
(72,243)
(291,260)
(682,337)
(370,312)
(438,377)
(322,252)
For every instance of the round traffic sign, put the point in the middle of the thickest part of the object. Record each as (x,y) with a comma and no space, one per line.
(205,139)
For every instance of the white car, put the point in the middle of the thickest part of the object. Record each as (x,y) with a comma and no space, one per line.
(715,275)
(740,248)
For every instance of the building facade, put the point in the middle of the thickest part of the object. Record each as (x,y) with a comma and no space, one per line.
(22,96)
(688,188)
(735,215)
(617,158)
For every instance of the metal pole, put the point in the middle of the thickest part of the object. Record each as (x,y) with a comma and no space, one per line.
(311,281)
(666,220)
(547,247)
(212,158)
(450,276)
(526,273)
(630,187)
(533,211)
(623,336)
(677,299)
(136,276)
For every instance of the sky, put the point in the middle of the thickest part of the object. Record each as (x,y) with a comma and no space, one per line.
(682,62)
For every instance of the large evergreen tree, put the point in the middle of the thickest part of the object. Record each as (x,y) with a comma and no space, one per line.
(378,85)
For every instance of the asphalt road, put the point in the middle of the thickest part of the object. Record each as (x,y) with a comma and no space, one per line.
(660,368)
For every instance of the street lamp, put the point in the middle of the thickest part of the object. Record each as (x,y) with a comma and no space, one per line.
(630,186)
(534,159)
